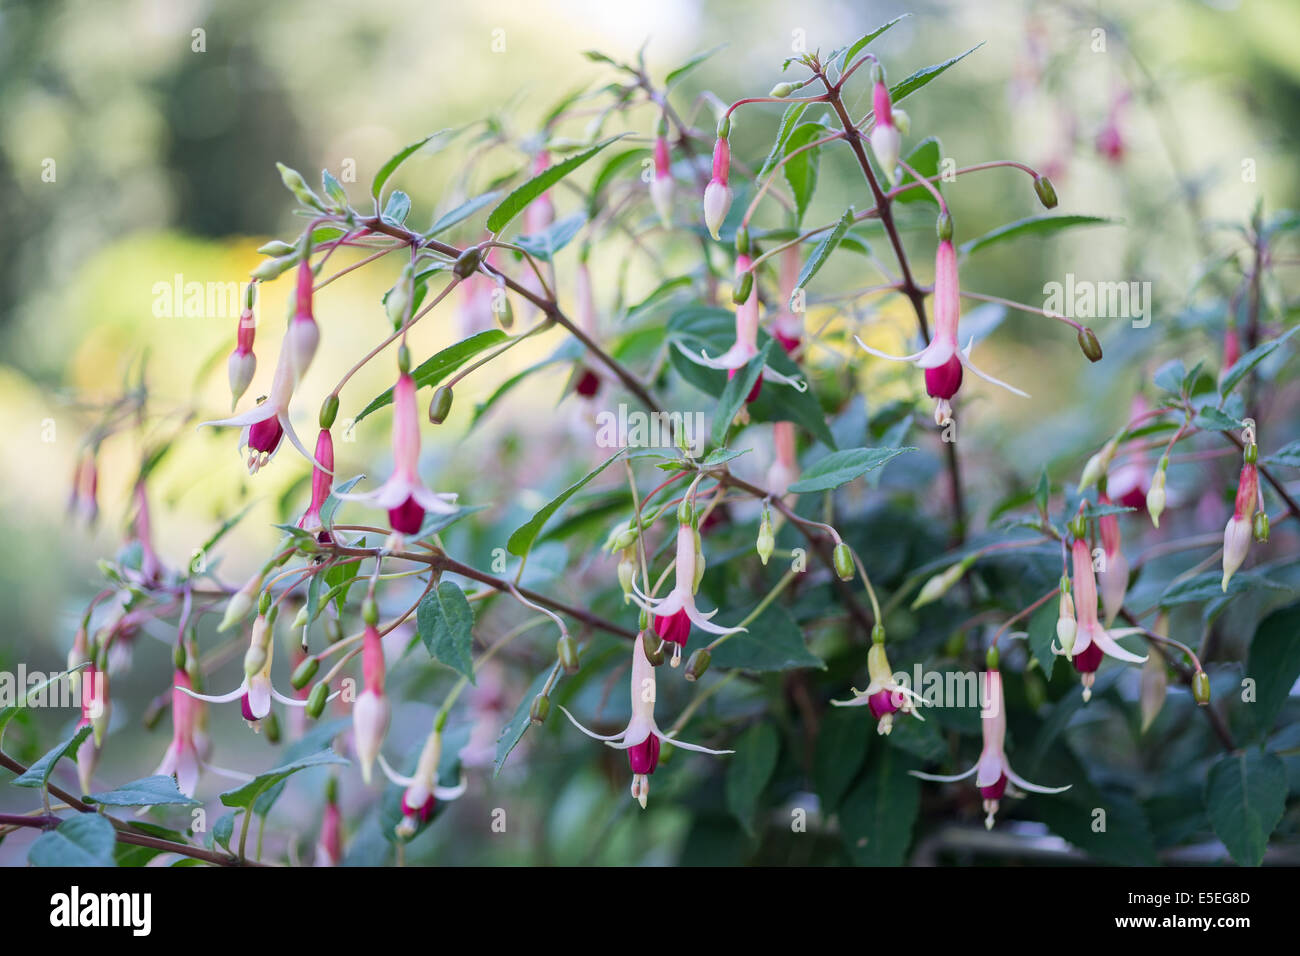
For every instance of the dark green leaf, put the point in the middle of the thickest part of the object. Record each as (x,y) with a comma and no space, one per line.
(433,370)
(772,643)
(84,840)
(1245,796)
(787,125)
(749,771)
(514,731)
(1241,368)
(245,794)
(736,391)
(841,467)
(38,774)
(521,540)
(921,77)
(386,170)
(847,59)
(679,74)
(801,169)
(446,624)
(878,814)
(1274,664)
(462,212)
(551,240)
(518,200)
(822,252)
(146,792)
(842,744)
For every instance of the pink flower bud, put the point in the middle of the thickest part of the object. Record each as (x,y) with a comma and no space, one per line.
(304,334)
(718,195)
(1237,535)
(371,712)
(661,187)
(885,138)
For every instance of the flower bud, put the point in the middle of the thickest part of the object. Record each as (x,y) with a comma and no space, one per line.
(626,576)
(744,286)
(698,664)
(1089,344)
(271,725)
(902,122)
(943,227)
(1261,527)
(298,186)
(254,659)
(317,699)
(304,672)
(274,268)
(782,90)
(540,708)
(941,583)
(1155,678)
(1098,465)
(370,716)
(276,248)
(1156,493)
(766,543)
(440,404)
(1046,192)
(240,368)
(1201,687)
(468,262)
(653,647)
(842,558)
(991,658)
(717,194)
(1078,526)
(566,649)
(329,410)
(240,603)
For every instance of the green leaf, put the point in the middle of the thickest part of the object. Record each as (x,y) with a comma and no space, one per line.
(1170,376)
(841,467)
(514,731)
(801,170)
(433,370)
(521,540)
(679,74)
(1209,585)
(396,209)
(245,794)
(878,814)
(38,774)
(787,125)
(772,643)
(518,200)
(545,244)
(842,744)
(446,625)
(1124,841)
(1042,635)
(720,456)
(750,770)
(847,59)
(1242,367)
(1211,419)
(1032,225)
(1244,797)
(921,77)
(9,713)
(925,160)
(84,840)
(329,508)
(1274,664)
(318,737)
(146,792)
(462,212)
(1288,455)
(612,168)
(401,156)
(822,252)
(736,391)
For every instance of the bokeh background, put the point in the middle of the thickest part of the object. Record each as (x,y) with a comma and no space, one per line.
(134,149)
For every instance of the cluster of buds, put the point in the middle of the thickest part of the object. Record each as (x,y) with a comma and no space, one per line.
(885,695)
(1245,523)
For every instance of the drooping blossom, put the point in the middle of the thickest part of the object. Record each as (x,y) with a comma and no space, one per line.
(885,136)
(1091,640)
(242,363)
(993,773)
(372,710)
(1113,577)
(1239,529)
(943,359)
(661,186)
(717,194)
(95,708)
(674,614)
(785,467)
(83,500)
(255,692)
(181,759)
(329,845)
(787,324)
(322,480)
(746,345)
(422,790)
(303,336)
(884,695)
(642,738)
(404,496)
(586,381)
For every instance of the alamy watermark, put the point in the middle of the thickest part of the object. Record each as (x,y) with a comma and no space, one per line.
(1085,299)
(638,429)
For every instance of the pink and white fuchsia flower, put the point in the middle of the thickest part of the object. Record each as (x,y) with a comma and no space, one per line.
(242,363)
(1091,639)
(884,695)
(255,692)
(642,737)
(992,771)
(1113,577)
(885,136)
(674,614)
(404,496)
(661,187)
(322,480)
(182,757)
(785,465)
(944,359)
(746,345)
(303,336)
(1239,529)
(422,790)
(717,194)
(372,710)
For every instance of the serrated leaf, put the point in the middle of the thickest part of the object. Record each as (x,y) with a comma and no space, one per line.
(401,156)
(434,369)
(750,770)
(772,643)
(38,774)
(1032,226)
(821,252)
(446,625)
(1211,419)
(519,198)
(146,792)
(1288,455)
(1245,796)
(522,538)
(841,467)
(84,840)
(245,794)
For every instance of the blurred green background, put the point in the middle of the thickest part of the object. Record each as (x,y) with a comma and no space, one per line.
(138,142)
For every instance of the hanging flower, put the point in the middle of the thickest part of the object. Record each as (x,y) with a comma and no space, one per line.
(329,845)
(884,695)
(1238,532)
(242,363)
(1113,578)
(674,614)
(885,136)
(642,738)
(993,773)
(404,496)
(182,758)
(787,324)
(785,468)
(661,187)
(422,790)
(322,480)
(586,382)
(255,692)
(717,194)
(372,710)
(304,334)
(943,360)
(1091,639)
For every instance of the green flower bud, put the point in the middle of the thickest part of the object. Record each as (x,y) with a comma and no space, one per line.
(742,241)
(277,248)
(264,603)
(698,664)
(271,724)
(943,227)
(370,612)
(1078,526)
(1251,454)
(766,540)
(1260,527)
(404,359)
(274,268)
(626,577)
(540,708)
(468,262)
(843,561)
(178,657)
(254,659)
(724,126)
(643,619)
(304,672)
(991,659)
(1089,344)
(317,699)
(878,633)
(329,410)
(1201,687)
(298,186)
(744,286)
(566,649)
(685,513)
(782,90)
(1046,192)
(653,647)
(940,584)
(902,122)
(440,404)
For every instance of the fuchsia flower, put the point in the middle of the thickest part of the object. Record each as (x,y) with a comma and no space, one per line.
(992,771)
(322,480)
(422,790)
(884,695)
(1239,530)
(675,613)
(371,712)
(586,382)
(329,846)
(95,710)
(182,757)
(404,495)
(304,334)
(642,738)
(787,325)
(242,362)
(944,359)
(885,137)
(1091,639)
(255,692)
(717,194)
(84,499)
(746,345)
(785,469)
(1113,577)
(661,187)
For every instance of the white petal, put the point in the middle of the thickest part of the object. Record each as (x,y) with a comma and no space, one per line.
(965,360)
(392,774)
(1106,642)
(1024,784)
(443,503)
(451,793)
(251,417)
(944,778)
(885,355)
(695,747)
(703,623)
(593,736)
(216,698)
